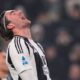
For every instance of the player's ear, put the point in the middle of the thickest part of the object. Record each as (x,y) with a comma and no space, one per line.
(10,26)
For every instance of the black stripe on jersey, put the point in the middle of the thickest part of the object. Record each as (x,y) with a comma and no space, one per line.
(19,78)
(27,46)
(39,66)
(18,45)
(10,61)
(40,47)
(43,58)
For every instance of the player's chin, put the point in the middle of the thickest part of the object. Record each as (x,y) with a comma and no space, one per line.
(27,25)
(28,21)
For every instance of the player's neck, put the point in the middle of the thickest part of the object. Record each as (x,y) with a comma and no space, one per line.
(24,32)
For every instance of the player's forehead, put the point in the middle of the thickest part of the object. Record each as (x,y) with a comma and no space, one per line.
(9,12)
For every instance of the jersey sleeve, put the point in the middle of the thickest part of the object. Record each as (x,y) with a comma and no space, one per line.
(19,55)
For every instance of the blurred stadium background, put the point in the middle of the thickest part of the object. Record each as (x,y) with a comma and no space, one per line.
(56,25)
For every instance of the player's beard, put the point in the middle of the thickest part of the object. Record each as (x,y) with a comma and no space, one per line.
(27,24)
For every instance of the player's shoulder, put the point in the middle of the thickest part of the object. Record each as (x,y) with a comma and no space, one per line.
(16,45)
(40,45)
(17,40)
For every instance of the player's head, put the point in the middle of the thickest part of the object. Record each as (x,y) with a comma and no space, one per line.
(11,20)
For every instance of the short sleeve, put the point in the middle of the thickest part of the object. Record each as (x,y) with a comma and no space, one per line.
(19,55)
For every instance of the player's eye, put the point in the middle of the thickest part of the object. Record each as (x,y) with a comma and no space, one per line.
(13,13)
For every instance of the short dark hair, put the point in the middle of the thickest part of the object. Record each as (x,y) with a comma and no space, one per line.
(4,32)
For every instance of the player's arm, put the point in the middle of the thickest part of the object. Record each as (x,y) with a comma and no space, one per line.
(21,60)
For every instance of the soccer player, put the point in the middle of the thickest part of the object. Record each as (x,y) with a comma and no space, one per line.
(25,58)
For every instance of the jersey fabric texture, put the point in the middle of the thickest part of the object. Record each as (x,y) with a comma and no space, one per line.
(25,54)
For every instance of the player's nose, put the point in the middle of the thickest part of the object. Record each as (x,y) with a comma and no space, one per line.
(19,12)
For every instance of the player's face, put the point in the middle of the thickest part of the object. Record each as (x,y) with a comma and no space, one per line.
(17,18)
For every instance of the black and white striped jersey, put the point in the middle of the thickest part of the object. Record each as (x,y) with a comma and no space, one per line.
(23,55)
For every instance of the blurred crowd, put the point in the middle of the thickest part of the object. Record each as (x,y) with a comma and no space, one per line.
(56,25)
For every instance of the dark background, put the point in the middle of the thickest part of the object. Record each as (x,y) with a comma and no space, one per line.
(56,25)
